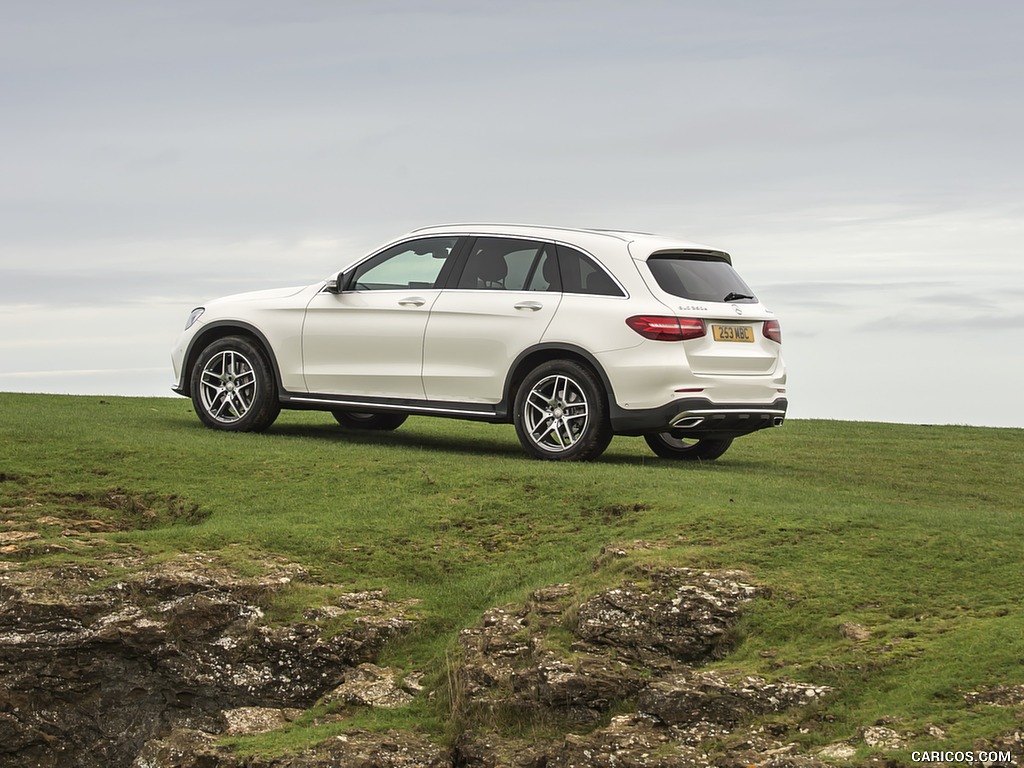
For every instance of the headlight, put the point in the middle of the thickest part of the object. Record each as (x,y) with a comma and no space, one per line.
(196,314)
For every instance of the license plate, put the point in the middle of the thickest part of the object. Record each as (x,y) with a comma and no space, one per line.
(733,333)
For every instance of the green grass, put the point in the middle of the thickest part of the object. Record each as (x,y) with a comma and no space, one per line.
(915,532)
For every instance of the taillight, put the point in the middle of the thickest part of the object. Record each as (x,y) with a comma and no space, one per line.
(772,330)
(667,327)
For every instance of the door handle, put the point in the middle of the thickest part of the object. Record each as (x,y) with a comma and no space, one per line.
(533,306)
(412,301)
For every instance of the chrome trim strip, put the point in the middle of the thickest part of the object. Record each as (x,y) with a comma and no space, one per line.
(384,406)
(736,412)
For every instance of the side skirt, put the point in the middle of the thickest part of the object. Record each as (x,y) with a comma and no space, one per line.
(470,411)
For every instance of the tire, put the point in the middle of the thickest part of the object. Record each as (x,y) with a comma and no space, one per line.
(383,422)
(670,446)
(233,388)
(561,413)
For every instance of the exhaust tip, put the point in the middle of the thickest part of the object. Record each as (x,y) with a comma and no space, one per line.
(777,421)
(687,422)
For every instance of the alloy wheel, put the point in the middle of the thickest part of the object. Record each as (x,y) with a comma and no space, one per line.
(228,386)
(556,413)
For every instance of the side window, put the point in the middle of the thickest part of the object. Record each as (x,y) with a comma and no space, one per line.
(545,272)
(505,264)
(580,274)
(412,264)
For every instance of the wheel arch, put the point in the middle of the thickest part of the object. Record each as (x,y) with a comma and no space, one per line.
(220,329)
(530,358)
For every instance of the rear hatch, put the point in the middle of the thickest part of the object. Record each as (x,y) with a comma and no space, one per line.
(741,336)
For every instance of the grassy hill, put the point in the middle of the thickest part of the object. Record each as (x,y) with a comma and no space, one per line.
(894,554)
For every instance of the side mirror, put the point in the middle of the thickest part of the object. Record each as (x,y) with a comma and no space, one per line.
(340,283)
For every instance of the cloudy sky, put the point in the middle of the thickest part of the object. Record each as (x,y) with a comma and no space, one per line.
(862,161)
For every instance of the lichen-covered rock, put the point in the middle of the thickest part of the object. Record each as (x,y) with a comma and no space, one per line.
(491,750)
(679,613)
(182,748)
(634,645)
(493,651)
(696,696)
(370,686)
(622,635)
(998,696)
(881,737)
(636,741)
(246,721)
(585,685)
(358,749)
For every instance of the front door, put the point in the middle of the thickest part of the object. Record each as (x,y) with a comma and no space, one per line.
(368,340)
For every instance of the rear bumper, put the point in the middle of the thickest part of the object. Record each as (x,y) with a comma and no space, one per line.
(699,417)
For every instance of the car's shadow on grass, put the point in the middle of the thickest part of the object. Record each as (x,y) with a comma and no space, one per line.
(477,446)
(403,438)
(490,446)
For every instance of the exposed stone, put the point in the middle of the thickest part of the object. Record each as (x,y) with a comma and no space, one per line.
(9,537)
(673,615)
(680,614)
(370,686)
(838,751)
(492,652)
(357,749)
(582,687)
(630,644)
(629,741)
(880,737)
(636,741)
(692,697)
(246,721)
(491,750)
(182,748)
(855,632)
(998,696)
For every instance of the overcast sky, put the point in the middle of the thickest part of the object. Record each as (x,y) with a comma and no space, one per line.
(862,161)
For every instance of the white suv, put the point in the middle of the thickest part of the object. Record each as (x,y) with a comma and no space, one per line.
(573,335)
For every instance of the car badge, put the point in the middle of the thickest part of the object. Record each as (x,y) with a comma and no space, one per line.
(737,310)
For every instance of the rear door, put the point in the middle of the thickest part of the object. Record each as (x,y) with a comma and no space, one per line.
(500,304)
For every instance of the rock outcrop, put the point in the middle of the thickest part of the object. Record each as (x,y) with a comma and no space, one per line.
(151,670)
(636,646)
(89,674)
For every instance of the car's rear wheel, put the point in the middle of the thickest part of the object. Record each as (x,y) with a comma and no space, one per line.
(670,445)
(561,413)
(232,386)
(376,421)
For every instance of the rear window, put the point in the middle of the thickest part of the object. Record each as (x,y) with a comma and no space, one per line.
(699,277)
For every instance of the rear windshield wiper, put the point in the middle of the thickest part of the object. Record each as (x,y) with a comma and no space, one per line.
(736,296)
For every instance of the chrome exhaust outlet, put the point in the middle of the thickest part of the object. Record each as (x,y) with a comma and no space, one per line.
(685,421)
(777,421)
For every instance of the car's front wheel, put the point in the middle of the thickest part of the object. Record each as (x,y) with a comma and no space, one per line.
(561,413)
(671,446)
(376,421)
(232,386)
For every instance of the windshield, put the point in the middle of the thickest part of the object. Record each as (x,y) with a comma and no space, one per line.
(699,278)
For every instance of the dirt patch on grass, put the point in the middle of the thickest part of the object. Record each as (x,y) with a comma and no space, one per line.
(31,514)
(116,509)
